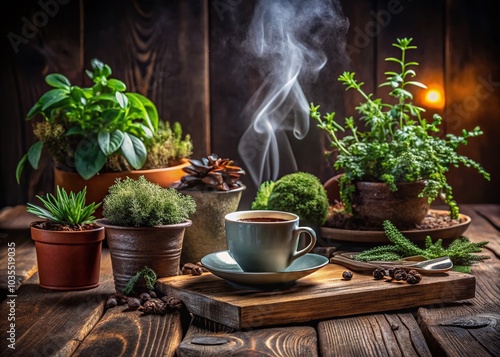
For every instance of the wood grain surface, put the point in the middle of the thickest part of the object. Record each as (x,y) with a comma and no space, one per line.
(53,322)
(323,294)
(472,328)
(128,333)
(372,335)
(201,340)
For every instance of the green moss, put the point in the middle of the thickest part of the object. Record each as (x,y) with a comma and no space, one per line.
(167,146)
(300,192)
(142,203)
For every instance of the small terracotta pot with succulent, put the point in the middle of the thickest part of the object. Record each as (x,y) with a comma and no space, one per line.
(215,185)
(68,242)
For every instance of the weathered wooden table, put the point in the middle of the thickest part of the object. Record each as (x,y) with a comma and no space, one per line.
(76,323)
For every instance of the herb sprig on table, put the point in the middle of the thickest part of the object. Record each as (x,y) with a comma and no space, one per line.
(461,251)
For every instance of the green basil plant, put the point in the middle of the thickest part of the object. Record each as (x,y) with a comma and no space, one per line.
(85,127)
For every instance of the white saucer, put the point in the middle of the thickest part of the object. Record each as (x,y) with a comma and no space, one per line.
(224,266)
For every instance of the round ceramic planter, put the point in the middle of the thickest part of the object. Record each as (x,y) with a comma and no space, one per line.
(68,260)
(133,248)
(208,234)
(374,203)
(98,185)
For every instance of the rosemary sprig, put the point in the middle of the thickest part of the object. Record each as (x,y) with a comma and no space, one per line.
(461,251)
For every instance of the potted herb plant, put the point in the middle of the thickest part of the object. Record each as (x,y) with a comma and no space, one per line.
(145,226)
(99,133)
(215,185)
(68,242)
(394,162)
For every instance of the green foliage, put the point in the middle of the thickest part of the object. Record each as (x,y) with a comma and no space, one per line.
(262,197)
(97,122)
(65,209)
(461,250)
(300,192)
(149,276)
(142,203)
(398,144)
(167,146)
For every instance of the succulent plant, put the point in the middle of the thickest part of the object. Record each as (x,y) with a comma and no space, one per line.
(211,173)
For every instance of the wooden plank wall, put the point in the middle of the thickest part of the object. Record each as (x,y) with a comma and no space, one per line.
(187,57)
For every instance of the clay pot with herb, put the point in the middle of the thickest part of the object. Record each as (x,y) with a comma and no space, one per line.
(145,227)
(99,133)
(68,242)
(392,144)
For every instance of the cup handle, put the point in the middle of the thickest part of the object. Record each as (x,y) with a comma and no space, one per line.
(310,246)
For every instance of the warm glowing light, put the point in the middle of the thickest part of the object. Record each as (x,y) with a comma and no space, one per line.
(434,98)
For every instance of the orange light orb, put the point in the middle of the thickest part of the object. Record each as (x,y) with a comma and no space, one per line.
(434,98)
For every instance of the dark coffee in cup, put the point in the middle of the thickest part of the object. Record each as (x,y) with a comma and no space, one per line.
(262,219)
(266,241)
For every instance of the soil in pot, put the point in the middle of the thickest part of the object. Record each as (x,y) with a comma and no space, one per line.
(340,220)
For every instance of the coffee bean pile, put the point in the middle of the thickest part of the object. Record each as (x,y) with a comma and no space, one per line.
(397,274)
(147,302)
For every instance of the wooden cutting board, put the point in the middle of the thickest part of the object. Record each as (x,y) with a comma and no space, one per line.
(321,295)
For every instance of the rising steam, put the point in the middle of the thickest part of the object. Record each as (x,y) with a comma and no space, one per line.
(287,38)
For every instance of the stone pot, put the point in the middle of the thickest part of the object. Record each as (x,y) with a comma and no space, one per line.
(208,234)
(68,260)
(98,185)
(133,248)
(374,203)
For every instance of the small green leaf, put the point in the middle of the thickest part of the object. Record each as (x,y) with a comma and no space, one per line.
(52,97)
(58,81)
(89,159)
(78,95)
(74,130)
(20,167)
(117,85)
(134,151)
(37,108)
(34,153)
(96,64)
(122,99)
(90,74)
(109,142)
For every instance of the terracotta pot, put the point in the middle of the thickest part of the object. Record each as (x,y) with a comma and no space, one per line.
(98,185)
(133,248)
(68,260)
(208,234)
(374,203)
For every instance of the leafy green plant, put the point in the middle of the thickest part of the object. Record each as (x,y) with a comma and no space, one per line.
(82,127)
(461,251)
(300,192)
(142,203)
(394,143)
(65,209)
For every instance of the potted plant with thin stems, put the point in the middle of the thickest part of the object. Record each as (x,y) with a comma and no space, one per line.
(392,159)
(145,227)
(99,133)
(68,242)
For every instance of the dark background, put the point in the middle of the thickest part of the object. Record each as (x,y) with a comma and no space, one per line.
(186,56)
